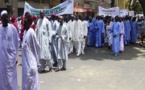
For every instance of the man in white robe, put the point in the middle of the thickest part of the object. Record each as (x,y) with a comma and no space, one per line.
(62,54)
(68,32)
(84,33)
(122,32)
(30,57)
(70,29)
(77,35)
(109,34)
(43,28)
(8,54)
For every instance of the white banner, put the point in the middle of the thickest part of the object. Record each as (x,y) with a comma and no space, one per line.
(131,13)
(66,7)
(139,15)
(110,12)
(123,12)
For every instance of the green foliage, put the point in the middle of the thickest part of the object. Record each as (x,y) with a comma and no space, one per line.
(135,6)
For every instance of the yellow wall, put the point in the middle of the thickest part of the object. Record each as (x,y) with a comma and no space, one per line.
(121,4)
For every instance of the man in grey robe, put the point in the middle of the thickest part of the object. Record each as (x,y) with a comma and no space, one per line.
(54,27)
(62,54)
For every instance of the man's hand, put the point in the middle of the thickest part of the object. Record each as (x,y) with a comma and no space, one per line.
(69,38)
(121,34)
(57,37)
(60,36)
(85,37)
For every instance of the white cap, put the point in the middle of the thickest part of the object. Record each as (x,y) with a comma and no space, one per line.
(3,12)
(61,17)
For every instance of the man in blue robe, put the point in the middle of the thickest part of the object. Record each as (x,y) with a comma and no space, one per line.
(127,26)
(116,28)
(99,32)
(91,32)
(96,30)
(134,28)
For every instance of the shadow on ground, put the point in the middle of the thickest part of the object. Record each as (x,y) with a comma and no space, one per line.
(131,53)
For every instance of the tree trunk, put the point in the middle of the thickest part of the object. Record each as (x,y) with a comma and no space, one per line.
(142,2)
(112,3)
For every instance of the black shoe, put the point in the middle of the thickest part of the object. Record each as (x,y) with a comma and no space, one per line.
(41,71)
(63,69)
(55,65)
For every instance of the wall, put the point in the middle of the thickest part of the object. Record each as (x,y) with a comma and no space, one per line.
(120,4)
(2,4)
(33,4)
(79,1)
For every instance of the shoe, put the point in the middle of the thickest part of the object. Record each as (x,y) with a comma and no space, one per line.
(116,55)
(109,50)
(41,71)
(78,55)
(63,69)
(83,53)
(50,70)
(57,70)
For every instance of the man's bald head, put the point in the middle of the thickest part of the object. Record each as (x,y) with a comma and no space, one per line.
(41,14)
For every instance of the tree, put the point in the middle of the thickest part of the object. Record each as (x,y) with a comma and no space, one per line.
(135,6)
(142,2)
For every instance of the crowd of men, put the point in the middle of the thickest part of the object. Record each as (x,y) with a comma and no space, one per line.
(45,39)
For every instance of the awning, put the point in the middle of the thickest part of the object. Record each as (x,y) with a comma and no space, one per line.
(82,10)
(79,9)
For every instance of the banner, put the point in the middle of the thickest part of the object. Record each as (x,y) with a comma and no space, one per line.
(109,12)
(63,8)
(123,12)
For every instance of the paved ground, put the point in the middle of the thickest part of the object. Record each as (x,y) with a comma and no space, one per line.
(98,69)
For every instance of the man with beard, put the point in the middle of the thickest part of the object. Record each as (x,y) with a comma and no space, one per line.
(43,29)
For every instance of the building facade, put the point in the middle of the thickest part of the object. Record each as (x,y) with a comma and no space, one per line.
(121,4)
(6,5)
(17,6)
